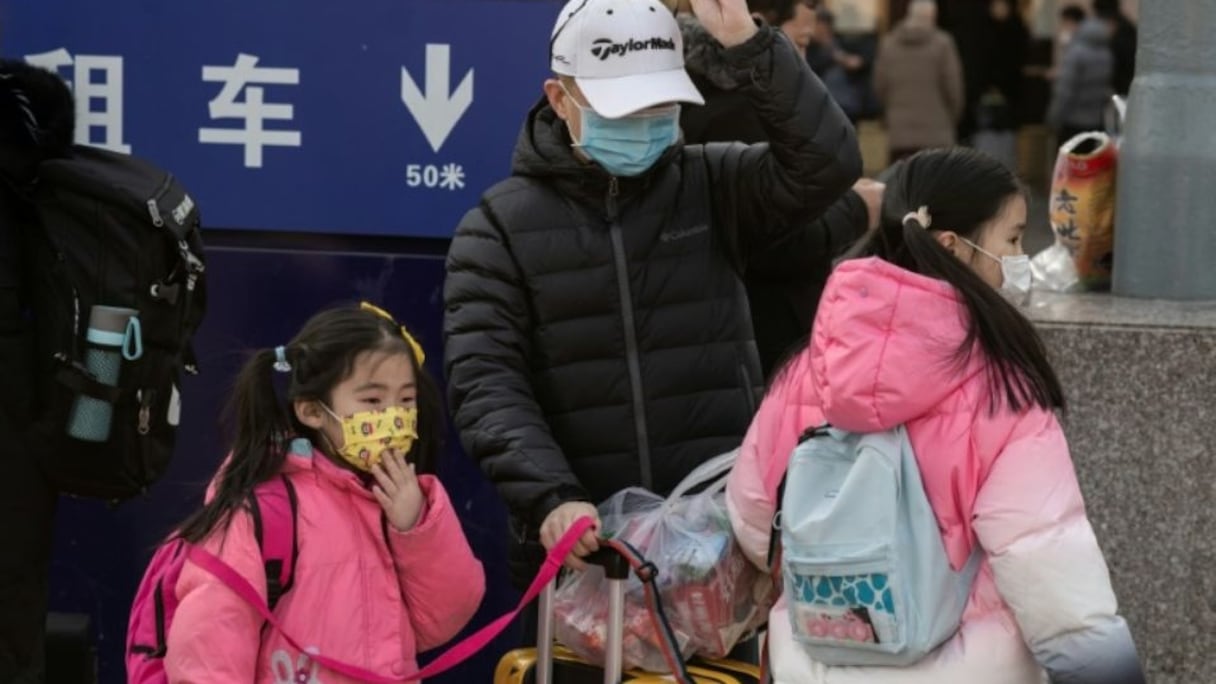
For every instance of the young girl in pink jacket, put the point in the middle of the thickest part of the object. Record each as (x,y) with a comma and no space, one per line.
(915,329)
(383,568)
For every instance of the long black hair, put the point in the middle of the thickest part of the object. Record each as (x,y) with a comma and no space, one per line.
(963,191)
(264,422)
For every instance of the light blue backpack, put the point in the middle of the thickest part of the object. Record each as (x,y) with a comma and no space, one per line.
(865,571)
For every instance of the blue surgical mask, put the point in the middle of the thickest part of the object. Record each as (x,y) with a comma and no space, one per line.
(628,146)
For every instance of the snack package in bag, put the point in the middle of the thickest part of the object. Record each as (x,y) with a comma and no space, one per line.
(711,591)
(1082,216)
(713,596)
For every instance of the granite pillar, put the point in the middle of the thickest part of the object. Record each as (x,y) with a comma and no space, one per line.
(1140,378)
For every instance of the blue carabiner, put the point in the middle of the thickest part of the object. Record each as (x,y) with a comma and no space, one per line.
(134,336)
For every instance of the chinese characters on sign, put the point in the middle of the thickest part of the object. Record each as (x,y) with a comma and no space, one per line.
(254,110)
(447,177)
(98,84)
(1066,202)
(386,121)
(107,92)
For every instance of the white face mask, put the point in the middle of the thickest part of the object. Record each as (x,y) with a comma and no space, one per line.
(1015,271)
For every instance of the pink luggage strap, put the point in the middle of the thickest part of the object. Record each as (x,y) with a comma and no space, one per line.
(451,658)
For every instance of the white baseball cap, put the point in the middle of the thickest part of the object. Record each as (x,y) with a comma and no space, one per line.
(625,55)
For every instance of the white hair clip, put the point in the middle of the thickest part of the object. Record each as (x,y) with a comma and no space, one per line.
(922,217)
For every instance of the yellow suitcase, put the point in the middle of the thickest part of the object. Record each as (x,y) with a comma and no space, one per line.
(519,667)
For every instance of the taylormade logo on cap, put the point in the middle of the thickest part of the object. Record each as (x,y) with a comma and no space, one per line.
(608,38)
(606,47)
(625,55)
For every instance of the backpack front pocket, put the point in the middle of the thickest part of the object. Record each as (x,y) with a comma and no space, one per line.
(848,602)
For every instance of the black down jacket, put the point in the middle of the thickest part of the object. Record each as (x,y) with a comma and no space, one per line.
(785,281)
(596,333)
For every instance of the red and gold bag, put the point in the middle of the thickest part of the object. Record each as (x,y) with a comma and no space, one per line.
(1083,205)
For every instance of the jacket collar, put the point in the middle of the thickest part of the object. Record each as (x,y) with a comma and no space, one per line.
(304,457)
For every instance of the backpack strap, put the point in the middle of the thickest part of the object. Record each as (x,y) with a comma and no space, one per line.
(774,536)
(774,549)
(77,378)
(774,539)
(273,506)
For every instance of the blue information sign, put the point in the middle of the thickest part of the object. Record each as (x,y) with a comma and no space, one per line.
(377,117)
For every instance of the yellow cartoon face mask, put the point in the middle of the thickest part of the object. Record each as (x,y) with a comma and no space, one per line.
(368,435)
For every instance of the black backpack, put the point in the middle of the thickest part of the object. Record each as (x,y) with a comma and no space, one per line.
(113,230)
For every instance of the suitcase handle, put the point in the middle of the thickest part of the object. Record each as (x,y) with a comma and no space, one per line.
(617,558)
(615,564)
(614,651)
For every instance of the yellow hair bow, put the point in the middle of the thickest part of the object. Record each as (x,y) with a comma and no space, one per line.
(418,353)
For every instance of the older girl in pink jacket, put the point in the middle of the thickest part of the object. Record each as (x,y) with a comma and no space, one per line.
(383,569)
(914,331)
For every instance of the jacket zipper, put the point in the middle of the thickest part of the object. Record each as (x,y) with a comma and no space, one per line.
(631,340)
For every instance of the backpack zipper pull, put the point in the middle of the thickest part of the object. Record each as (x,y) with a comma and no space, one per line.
(194,265)
(154,212)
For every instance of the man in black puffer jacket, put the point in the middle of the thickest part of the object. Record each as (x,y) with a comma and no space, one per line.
(597,335)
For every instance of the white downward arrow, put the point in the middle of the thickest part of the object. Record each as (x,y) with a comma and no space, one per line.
(437,112)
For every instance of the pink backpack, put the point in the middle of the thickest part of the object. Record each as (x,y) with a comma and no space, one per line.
(273,506)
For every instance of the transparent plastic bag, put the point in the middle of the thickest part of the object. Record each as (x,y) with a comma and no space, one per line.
(711,591)
(581,603)
(712,594)
(1054,270)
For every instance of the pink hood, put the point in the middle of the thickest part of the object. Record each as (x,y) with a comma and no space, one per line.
(883,352)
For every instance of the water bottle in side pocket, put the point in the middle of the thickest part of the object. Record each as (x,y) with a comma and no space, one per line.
(113,335)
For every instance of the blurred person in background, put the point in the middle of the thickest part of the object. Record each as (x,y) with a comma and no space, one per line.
(919,80)
(1083,82)
(1123,37)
